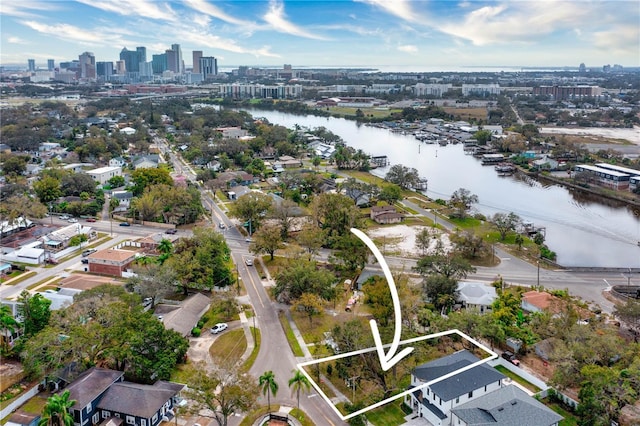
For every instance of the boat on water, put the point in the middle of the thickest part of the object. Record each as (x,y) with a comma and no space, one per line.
(505,169)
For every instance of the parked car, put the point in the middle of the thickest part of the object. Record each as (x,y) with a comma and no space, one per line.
(171,231)
(64,217)
(511,357)
(222,225)
(73,220)
(219,328)
(91,219)
(87,252)
(248,239)
(125,224)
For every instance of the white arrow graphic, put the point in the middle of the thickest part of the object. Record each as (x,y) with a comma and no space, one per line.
(389,359)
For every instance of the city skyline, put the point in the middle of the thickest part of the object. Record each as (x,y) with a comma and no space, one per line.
(399,35)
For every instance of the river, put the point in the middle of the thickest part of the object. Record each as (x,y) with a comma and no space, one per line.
(582,231)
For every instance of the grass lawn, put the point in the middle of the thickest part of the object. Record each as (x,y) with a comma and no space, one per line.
(569,418)
(388,414)
(21,277)
(254,353)
(229,347)
(302,417)
(291,338)
(518,379)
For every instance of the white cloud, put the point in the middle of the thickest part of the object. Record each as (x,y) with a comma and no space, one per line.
(400,8)
(16,40)
(215,12)
(215,42)
(142,8)
(622,39)
(24,9)
(275,17)
(72,33)
(408,48)
(516,21)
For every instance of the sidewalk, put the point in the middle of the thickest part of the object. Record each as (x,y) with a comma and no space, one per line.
(248,335)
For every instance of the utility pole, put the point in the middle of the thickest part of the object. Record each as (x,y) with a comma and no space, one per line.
(538,262)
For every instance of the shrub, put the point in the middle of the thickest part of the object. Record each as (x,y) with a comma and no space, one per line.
(196,332)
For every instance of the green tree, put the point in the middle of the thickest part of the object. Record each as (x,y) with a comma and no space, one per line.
(300,277)
(350,252)
(77,240)
(310,237)
(299,382)
(505,223)
(34,311)
(462,200)
(8,325)
(222,392)
(482,136)
(116,181)
(47,189)
(390,193)
(378,297)
(251,207)
(77,183)
(403,176)
(14,165)
(143,178)
(56,410)
(202,261)
(310,304)
(629,312)
(335,214)
(423,239)
(267,239)
(153,280)
(268,385)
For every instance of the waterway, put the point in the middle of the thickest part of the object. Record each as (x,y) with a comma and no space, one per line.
(583,231)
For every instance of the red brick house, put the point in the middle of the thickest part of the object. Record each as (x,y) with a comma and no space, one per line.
(111,262)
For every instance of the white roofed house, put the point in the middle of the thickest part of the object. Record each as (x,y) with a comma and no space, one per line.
(103,174)
(476,296)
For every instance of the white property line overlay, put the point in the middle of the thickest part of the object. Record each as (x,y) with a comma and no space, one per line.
(492,354)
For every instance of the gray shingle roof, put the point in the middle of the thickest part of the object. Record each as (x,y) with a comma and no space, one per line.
(91,384)
(135,399)
(506,406)
(461,383)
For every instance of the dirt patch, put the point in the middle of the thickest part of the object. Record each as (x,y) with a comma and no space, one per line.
(400,240)
(10,374)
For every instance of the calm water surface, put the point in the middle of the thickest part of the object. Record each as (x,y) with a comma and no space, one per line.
(582,232)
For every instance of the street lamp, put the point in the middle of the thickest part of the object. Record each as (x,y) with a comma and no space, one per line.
(538,263)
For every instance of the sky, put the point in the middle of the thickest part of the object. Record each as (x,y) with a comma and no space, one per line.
(390,35)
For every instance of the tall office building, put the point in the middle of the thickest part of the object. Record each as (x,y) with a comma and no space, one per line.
(159,63)
(104,70)
(179,64)
(208,67)
(51,65)
(131,59)
(87,62)
(197,54)
(31,63)
(121,67)
(142,53)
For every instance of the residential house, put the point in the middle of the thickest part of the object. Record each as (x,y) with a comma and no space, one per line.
(87,390)
(151,242)
(185,317)
(385,214)
(146,162)
(21,418)
(103,174)
(124,198)
(361,198)
(128,131)
(236,192)
(117,162)
(287,162)
(232,132)
(538,301)
(506,406)
(111,261)
(476,296)
(140,405)
(435,401)
(60,238)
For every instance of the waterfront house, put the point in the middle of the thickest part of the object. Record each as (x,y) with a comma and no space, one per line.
(385,215)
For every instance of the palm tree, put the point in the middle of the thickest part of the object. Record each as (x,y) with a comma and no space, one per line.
(8,325)
(269,386)
(56,410)
(297,382)
(165,247)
